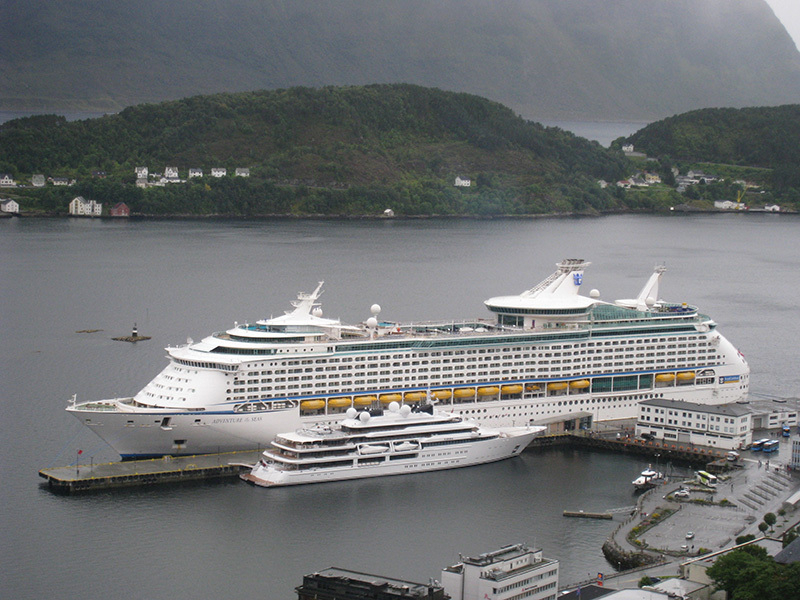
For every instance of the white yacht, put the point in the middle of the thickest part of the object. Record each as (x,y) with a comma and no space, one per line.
(546,352)
(395,442)
(648,478)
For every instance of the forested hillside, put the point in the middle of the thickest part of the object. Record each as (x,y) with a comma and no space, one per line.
(766,137)
(349,151)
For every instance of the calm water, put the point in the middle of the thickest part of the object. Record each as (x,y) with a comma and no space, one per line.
(189,278)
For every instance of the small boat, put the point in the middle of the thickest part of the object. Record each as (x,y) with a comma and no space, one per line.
(648,478)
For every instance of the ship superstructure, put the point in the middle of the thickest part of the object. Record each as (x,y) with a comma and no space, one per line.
(547,352)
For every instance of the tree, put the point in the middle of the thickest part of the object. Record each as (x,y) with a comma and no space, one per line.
(762,527)
(770,519)
(732,571)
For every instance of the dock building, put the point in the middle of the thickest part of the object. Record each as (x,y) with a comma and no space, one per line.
(341,584)
(511,572)
(725,426)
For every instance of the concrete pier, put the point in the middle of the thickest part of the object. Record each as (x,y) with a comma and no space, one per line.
(85,478)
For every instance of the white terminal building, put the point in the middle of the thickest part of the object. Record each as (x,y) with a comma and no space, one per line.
(724,426)
(511,573)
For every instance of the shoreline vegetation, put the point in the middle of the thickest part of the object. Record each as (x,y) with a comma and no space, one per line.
(356,152)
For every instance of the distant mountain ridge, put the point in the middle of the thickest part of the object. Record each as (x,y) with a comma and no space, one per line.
(586,59)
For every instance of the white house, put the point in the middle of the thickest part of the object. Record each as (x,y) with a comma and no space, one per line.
(627,147)
(141,172)
(195,173)
(9,206)
(59,180)
(729,205)
(82,207)
(171,172)
(462,182)
(7,180)
(724,426)
(502,575)
(242,172)
(219,172)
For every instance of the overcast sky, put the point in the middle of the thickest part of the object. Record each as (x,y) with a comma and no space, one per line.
(788,11)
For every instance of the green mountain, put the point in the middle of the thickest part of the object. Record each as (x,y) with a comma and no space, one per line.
(546,59)
(764,137)
(350,150)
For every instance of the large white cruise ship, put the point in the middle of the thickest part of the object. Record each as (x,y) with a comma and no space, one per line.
(398,441)
(547,352)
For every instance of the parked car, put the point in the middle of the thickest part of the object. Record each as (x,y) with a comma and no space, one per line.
(689,535)
(681,493)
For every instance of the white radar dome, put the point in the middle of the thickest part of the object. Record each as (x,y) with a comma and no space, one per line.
(405,410)
(363,417)
(595,293)
(650,301)
(394,407)
(372,322)
(351,413)
(317,312)
(375,309)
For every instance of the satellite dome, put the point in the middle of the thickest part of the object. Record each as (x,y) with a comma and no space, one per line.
(363,417)
(595,293)
(317,312)
(375,309)
(372,322)
(405,410)
(394,407)
(351,413)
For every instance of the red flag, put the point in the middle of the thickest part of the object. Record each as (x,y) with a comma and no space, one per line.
(80,451)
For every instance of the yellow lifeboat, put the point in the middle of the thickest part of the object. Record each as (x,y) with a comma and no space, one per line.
(557,385)
(442,394)
(389,398)
(339,402)
(580,384)
(464,393)
(364,400)
(312,404)
(511,389)
(492,390)
(414,396)
(686,375)
(663,377)
(531,387)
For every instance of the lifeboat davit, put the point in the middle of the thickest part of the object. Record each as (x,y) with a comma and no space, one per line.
(339,402)
(389,398)
(414,396)
(580,384)
(663,377)
(557,385)
(464,393)
(364,400)
(686,375)
(511,389)
(491,390)
(312,404)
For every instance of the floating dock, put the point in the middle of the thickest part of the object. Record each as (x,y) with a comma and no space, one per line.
(587,515)
(169,469)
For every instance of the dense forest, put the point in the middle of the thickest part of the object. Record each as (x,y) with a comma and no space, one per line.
(329,151)
(765,137)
